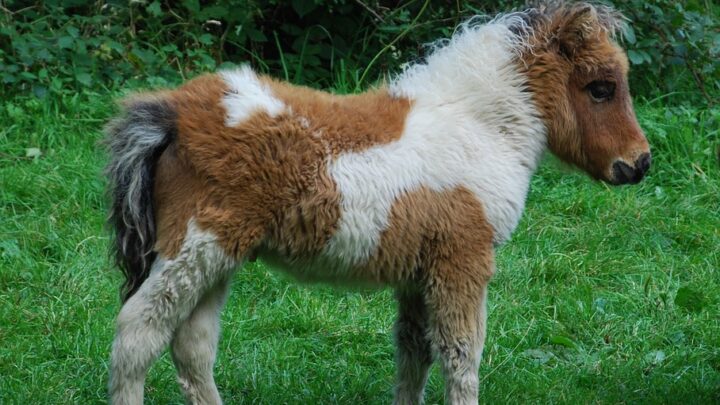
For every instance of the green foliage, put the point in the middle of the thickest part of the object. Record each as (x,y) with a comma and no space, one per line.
(53,46)
(48,46)
(674,46)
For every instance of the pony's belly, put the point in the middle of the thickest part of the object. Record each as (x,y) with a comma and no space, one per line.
(317,269)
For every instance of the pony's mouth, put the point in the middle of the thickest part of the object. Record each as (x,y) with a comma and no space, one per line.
(623,173)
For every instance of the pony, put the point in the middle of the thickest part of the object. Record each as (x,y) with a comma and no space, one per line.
(410,185)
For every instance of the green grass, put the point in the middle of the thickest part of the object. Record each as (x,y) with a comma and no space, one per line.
(584,309)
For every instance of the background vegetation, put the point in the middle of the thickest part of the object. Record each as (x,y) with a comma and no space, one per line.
(66,45)
(604,295)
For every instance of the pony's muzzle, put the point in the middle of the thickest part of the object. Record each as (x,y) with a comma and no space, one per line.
(623,173)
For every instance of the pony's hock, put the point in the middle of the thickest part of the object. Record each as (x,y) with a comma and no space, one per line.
(409,185)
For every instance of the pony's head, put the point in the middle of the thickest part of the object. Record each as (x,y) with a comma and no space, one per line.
(578,76)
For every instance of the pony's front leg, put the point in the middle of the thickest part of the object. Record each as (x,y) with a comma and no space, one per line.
(456,299)
(413,351)
(194,347)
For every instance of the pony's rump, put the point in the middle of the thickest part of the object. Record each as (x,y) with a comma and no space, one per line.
(135,141)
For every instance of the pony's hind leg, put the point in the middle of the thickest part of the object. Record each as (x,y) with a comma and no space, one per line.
(194,347)
(413,351)
(149,318)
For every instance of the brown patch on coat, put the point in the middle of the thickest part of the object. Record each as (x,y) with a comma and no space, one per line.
(427,231)
(264,177)
(264,180)
(181,191)
(178,192)
(430,227)
(572,47)
(346,123)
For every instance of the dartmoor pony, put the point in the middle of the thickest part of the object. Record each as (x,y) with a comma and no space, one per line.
(411,185)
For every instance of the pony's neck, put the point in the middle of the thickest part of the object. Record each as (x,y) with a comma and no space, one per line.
(478,76)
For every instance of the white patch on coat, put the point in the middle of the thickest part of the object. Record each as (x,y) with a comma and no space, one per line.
(247,95)
(149,318)
(471,125)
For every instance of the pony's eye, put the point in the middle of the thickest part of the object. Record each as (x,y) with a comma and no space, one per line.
(601,90)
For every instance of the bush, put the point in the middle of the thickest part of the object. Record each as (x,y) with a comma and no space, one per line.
(59,45)
(674,47)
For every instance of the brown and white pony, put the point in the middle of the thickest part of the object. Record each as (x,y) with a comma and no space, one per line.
(410,185)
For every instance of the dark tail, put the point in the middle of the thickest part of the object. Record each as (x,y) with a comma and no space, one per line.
(135,141)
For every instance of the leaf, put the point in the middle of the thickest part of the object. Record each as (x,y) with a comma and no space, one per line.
(394,28)
(655,357)
(715,44)
(540,356)
(65,42)
(227,65)
(33,153)
(255,35)
(146,57)
(56,84)
(73,31)
(205,39)
(193,6)
(154,9)
(629,34)
(599,305)
(689,299)
(84,78)
(303,7)
(39,91)
(647,56)
(9,248)
(116,46)
(635,57)
(562,341)
(677,337)
(214,12)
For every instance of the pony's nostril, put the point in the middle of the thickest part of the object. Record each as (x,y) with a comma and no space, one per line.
(643,163)
(623,173)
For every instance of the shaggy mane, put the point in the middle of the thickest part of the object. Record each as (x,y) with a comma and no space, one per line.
(536,25)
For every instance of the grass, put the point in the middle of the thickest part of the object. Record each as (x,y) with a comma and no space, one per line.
(604,295)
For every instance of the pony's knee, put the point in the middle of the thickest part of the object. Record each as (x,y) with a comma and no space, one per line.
(458,355)
(460,361)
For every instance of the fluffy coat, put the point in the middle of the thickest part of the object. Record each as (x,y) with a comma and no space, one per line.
(410,185)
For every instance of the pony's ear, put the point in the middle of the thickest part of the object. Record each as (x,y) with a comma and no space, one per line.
(578,25)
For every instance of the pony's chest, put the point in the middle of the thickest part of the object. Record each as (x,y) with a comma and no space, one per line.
(371,183)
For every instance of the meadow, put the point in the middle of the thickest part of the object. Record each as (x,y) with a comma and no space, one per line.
(604,295)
